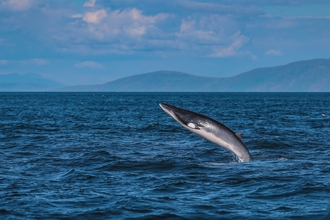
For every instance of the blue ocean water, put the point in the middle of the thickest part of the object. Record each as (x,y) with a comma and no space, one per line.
(120,156)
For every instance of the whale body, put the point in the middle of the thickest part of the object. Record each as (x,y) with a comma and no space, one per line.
(209,129)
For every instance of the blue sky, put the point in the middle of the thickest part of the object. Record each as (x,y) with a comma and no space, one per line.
(95,41)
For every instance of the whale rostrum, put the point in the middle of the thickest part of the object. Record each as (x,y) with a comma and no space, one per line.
(209,129)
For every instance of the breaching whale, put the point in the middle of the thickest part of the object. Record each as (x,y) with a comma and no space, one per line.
(209,129)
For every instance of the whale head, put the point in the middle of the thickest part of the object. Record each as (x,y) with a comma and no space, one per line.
(186,118)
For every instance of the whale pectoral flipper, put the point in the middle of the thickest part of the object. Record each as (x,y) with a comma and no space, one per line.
(209,129)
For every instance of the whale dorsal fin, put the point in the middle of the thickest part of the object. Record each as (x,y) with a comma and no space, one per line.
(239,135)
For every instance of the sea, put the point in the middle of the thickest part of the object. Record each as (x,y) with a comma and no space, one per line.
(120,156)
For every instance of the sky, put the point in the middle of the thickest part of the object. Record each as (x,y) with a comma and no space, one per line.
(96,41)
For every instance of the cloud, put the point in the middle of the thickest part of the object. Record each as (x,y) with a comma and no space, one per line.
(212,36)
(95,17)
(273,52)
(233,9)
(129,22)
(39,62)
(130,30)
(270,3)
(207,30)
(187,25)
(77,16)
(90,3)
(18,5)
(184,28)
(89,64)
(103,30)
(238,41)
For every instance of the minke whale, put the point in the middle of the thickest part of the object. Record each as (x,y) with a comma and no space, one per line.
(209,129)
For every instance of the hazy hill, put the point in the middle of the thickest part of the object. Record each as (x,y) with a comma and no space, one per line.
(161,81)
(26,82)
(302,76)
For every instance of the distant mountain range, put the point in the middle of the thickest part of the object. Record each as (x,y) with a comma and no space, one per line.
(26,82)
(302,76)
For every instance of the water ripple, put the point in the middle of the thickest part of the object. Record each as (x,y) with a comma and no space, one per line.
(118,155)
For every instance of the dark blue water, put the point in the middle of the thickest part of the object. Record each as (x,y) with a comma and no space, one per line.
(118,155)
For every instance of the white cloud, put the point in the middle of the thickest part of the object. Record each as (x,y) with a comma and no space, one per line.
(90,3)
(37,61)
(187,25)
(90,64)
(131,31)
(18,5)
(77,16)
(95,17)
(205,31)
(231,9)
(238,41)
(273,52)
(212,36)
(102,30)
(129,22)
